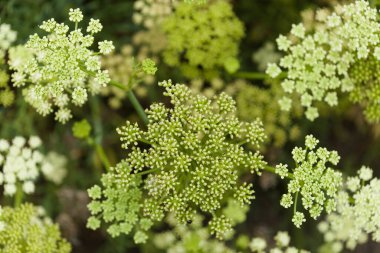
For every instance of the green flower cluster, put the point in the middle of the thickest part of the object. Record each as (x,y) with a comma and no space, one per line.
(201,39)
(187,161)
(61,67)
(119,204)
(316,182)
(357,214)
(256,102)
(340,56)
(25,230)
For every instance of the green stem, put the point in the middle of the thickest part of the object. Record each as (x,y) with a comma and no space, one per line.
(136,104)
(19,196)
(146,172)
(273,170)
(295,203)
(102,156)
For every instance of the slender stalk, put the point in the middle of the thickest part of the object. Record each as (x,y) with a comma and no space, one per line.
(136,104)
(146,172)
(102,156)
(295,203)
(273,170)
(19,196)
(131,96)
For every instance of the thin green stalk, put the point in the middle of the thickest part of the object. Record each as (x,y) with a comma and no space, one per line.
(295,203)
(131,96)
(273,170)
(146,172)
(102,156)
(19,196)
(135,103)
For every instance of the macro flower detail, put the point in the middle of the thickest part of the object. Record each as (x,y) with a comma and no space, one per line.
(192,164)
(60,67)
(27,229)
(339,56)
(357,213)
(312,180)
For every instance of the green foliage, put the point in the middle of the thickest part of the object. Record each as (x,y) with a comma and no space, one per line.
(202,39)
(25,230)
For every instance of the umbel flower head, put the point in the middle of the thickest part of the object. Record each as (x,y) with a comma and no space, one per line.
(341,56)
(313,179)
(188,161)
(357,214)
(26,229)
(21,163)
(61,67)
(202,39)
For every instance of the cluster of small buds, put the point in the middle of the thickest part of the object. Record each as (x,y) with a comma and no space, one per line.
(203,39)
(282,240)
(150,13)
(21,163)
(330,60)
(119,204)
(316,182)
(61,67)
(7,36)
(27,229)
(357,214)
(194,156)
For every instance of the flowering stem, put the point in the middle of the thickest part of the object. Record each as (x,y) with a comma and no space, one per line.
(295,203)
(136,104)
(19,196)
(146,172)
(102,156)
(273,170)
(131,96)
